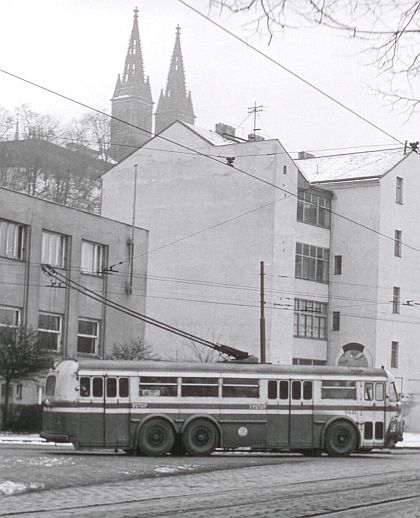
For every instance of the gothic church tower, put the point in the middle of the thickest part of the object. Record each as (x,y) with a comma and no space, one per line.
(175,103)
(132,102)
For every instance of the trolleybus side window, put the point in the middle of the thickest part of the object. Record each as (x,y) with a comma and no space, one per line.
(368,391)
(284,389)
(85,387)
(368,430)
(296,390)
(307,390)
(158,386)
(200,387)
(393,395)
(98,387)
(50,386)
(338,389)
(272,389)
(273,392)
(241,387)
(111,387)
(123,387)
(379,391)
(379,430)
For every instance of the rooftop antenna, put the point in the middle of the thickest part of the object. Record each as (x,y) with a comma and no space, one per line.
(255,109)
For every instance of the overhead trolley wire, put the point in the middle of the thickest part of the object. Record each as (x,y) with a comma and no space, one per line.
(289,71)
(199,153)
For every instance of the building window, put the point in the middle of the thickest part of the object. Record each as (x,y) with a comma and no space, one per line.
(397,243)
(396,292)
(308,361)
(336,321)
(12,240)
(394,354)
(312,262)
(53,249)
(314,208)
(399,190)
(338,262)
(92,258)
(49,331)
(9,322)
(19,391)
(87,336)
(310,319)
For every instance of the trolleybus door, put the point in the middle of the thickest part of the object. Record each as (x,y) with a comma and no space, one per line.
(91,416)
(374,410)
(301,408)
(116,411)
(278,413)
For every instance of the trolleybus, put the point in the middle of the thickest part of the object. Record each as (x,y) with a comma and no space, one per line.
(149,407)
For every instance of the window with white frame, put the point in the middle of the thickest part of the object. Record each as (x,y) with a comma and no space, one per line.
(49,331)
(394,354)
(53,249)
(396,299)
(310,319)
(87,336)
(399,190)
(12,239)
(314,208)
(9,322)
(312,262)
(92,258)
(397,243)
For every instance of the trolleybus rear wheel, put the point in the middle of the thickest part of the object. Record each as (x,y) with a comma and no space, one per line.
(156,437)
(341,439)
(201,437)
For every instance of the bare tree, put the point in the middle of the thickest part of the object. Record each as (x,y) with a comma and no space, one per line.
(22,358)
(390,29)
(133,350)
(6,123)
(91,132)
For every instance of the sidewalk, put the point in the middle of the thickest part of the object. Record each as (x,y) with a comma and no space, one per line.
(411,440)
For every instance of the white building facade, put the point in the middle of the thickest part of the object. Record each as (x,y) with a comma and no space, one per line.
(216,207)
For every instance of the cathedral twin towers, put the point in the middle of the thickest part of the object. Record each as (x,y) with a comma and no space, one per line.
(132,100)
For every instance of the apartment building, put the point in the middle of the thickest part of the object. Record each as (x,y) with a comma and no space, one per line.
(82,247)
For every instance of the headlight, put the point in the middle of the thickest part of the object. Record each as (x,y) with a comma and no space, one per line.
(47,402)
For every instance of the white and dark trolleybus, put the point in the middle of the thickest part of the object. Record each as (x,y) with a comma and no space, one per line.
(156,407)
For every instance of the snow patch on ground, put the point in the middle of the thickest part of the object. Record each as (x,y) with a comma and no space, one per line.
(174,469)
(9,488)
(411,440)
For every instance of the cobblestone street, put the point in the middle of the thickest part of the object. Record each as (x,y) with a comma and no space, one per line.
(225,485)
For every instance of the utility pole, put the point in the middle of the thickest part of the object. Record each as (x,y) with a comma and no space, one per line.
(130,288)
(262,316)
(255,109)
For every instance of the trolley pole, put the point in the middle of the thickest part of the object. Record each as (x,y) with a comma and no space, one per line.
(262,316)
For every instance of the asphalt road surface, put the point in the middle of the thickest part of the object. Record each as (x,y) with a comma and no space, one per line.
(66,483)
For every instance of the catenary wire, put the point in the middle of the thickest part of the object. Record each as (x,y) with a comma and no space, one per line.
(289,71)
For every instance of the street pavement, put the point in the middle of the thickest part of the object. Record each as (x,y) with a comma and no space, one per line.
(91,484)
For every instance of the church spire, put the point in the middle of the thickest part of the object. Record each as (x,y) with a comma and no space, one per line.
(132,101)
(175,103)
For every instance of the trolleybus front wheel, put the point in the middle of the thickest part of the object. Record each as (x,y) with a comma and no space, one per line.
(341,439)
(201,437)
(156,437)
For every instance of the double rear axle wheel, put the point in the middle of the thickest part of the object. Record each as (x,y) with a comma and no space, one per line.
(157,437)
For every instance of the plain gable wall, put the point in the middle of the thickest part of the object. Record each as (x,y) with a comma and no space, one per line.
(213,289)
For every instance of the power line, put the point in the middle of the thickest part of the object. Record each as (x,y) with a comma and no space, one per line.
(289,71)
(199,153)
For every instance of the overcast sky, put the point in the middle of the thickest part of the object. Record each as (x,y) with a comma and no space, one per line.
(78,47)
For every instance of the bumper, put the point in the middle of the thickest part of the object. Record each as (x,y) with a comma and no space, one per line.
(50,437)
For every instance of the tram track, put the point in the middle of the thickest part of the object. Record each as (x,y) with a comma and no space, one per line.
(232,501)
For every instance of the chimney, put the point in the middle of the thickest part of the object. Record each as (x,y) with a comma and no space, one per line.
(227,131)
(303,155)
(253,137)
